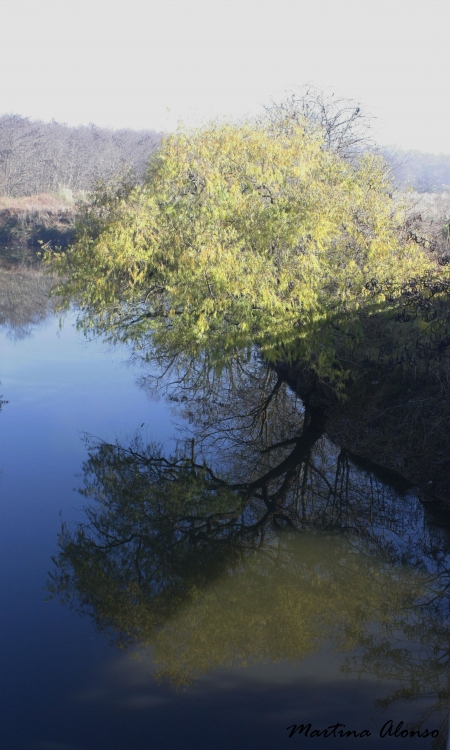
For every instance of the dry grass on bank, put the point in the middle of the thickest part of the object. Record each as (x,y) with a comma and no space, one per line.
(42,208)
(29,222)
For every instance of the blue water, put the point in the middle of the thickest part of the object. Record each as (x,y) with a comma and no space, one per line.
(63,687)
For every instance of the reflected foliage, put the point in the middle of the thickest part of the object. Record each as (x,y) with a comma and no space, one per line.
(257,539)
(212,573)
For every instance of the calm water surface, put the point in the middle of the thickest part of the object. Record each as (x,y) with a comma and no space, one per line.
(184,624)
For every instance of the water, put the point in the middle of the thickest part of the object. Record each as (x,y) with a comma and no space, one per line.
(236,621)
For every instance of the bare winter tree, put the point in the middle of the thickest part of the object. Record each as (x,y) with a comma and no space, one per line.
(20,154)
(344,123)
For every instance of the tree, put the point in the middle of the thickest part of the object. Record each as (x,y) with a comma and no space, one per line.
(344,125)
(20,147)
(241,233)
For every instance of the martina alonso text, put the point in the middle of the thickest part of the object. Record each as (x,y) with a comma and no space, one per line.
(339,730)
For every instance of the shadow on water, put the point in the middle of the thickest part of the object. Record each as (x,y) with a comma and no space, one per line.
(256,541)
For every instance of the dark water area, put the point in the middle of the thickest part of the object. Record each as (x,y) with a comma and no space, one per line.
(227,572)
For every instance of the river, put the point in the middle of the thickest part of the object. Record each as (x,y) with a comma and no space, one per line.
(226,576)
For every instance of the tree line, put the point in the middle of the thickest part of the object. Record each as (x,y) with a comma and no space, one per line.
(38,157)
(424,172)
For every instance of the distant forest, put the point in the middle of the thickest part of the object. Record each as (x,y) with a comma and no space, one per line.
(38,157)
(426,173)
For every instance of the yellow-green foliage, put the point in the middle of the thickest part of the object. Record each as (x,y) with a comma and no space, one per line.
(240,233)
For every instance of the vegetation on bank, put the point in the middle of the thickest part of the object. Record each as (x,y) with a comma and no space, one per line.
(254,233)
(46,167)
(286,235)
(29,223)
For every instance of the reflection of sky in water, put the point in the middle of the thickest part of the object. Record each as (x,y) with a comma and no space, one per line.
(58,387)
(64,687)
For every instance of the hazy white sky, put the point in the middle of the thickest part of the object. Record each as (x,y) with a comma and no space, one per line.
(125,63)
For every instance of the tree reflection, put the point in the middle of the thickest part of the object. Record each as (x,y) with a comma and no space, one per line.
(257,540)
(413,649)
(212,573)
(24,300)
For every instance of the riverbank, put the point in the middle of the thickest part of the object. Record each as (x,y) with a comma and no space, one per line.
(29,223)
(390,419)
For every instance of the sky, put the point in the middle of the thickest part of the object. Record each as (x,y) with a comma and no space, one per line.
(153,63)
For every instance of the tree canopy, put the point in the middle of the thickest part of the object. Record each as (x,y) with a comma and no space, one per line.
(240,233)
